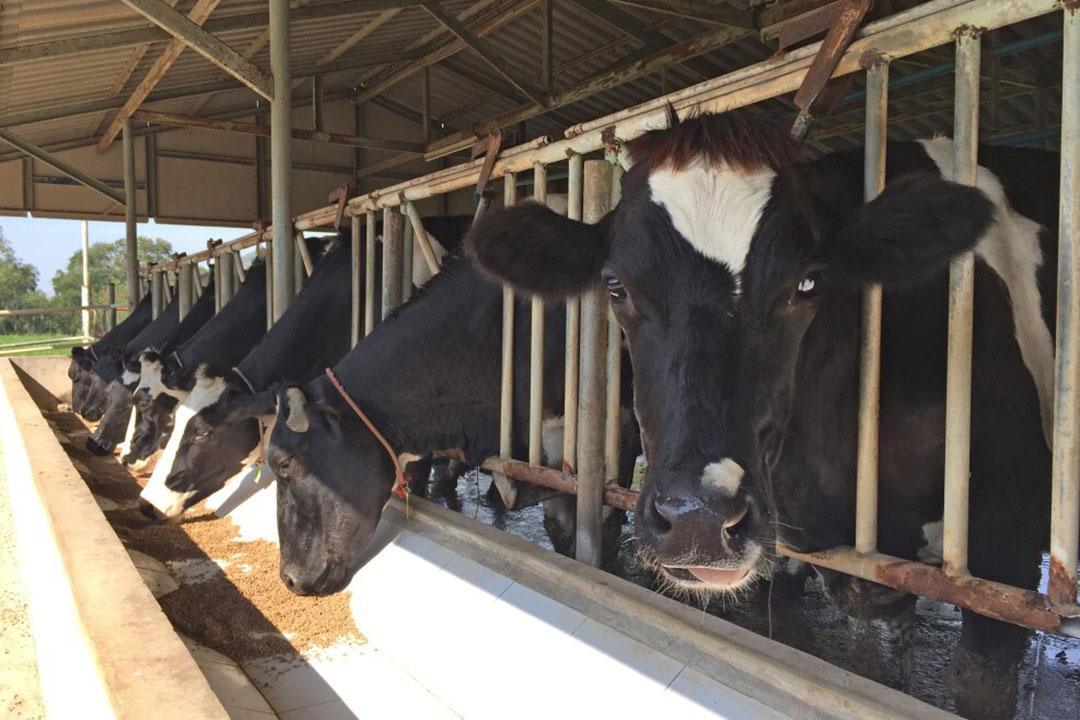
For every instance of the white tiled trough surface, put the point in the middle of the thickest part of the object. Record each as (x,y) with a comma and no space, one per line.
(466,621)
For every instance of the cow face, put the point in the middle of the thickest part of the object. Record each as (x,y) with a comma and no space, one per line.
(114,420)
(96,382)
(717,260)
(153,424)
(79,372)
(217,441)
(333,480)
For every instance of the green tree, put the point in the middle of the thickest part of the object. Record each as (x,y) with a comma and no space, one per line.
(106,266)
(18,290)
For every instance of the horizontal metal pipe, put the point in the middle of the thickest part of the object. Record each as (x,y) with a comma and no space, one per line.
(614,496)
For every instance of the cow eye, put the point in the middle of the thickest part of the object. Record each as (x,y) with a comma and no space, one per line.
(808,286)
(285,465)
(615,290)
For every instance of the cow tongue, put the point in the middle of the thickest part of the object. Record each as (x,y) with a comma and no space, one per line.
(717,576)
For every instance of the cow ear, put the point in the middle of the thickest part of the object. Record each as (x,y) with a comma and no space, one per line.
(910,232)
(538,251)
(243,406)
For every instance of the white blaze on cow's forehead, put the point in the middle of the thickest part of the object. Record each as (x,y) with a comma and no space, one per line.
(125,447)
(725,476)
(150,376)
(128,377)
(716,208)
(206,392)
(1011,248)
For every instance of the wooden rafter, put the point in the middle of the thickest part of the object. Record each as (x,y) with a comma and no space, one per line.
(482,48)
(207,45)
(198,15)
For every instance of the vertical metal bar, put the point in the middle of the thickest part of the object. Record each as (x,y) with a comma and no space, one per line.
(573,329)
(166,289)
(111,315)
(196,281)
(215,268)
(156,297)
(305,254)
(369,275)
(1065,493)
(407,249)
(613,393)
(961,312)
(506,403)
(866,504)
(281,157)
(151,175)
(28,183)
(271,283)
(393,233)
(298,267)
(536,347)
(184,289)
(238,268)
(357,283)
(590,459)
(317,103)
(262,209)
(132,260)
(225,277)
(84,293)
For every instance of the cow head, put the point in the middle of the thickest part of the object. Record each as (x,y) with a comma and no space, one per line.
(79,372)
(716,260)
(96,380)
(114,419)
(153,423)
(334,477)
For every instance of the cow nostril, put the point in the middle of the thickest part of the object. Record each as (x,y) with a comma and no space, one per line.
(739,523)
(662,515)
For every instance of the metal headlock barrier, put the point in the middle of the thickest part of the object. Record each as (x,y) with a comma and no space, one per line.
(591,439)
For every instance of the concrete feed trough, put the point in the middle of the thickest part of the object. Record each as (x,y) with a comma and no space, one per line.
(448,618)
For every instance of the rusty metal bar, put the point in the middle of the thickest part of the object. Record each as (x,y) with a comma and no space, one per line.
(536,347)
(961,314)
(1065,493)
(575,180)
(613,409)
(393,234)
(357,280)
(866,504)
(369,274)
(590,457)
(614,496)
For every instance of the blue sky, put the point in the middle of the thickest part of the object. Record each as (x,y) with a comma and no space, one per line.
(47,244)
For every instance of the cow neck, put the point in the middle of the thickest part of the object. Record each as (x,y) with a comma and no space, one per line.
(229,335)
(131,326)
(428,376)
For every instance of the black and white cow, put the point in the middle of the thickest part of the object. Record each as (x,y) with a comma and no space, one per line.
(736,272)
(334,476)
(93,368)
(311,335)
(118,392)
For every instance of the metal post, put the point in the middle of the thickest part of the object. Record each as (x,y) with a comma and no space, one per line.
(238,266)
(961,313)
(425,105)
(536,347)
(613,393)
(573,327)
(111,314)
(369,275)
(166,289)
(357,281)
(84,295)
(422,238)
(407,248)
(271,284)
(281,157)
(866,505)
(298,267)
(305,254)
(506,406)
(225,277)
(215,268)
(393,234)
(157,297)
(1065,493)
(184,290)
(132,245)
(196,281)
(590,459)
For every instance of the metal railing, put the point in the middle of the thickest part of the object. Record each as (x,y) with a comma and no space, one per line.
(591,376)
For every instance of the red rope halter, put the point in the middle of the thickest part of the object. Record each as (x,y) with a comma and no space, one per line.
(401,485)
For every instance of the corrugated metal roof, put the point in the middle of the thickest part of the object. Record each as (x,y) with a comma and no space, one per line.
(464,89)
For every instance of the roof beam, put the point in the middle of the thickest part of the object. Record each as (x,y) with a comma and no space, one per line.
(484,50)
(697,10)
(198,15)
(338,50)
(432,56)
(140,36)
(205,44)
(57,164)
(246,128)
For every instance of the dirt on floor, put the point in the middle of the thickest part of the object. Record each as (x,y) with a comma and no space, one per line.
(231,598)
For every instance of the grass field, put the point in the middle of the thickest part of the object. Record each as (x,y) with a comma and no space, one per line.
(15,338)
